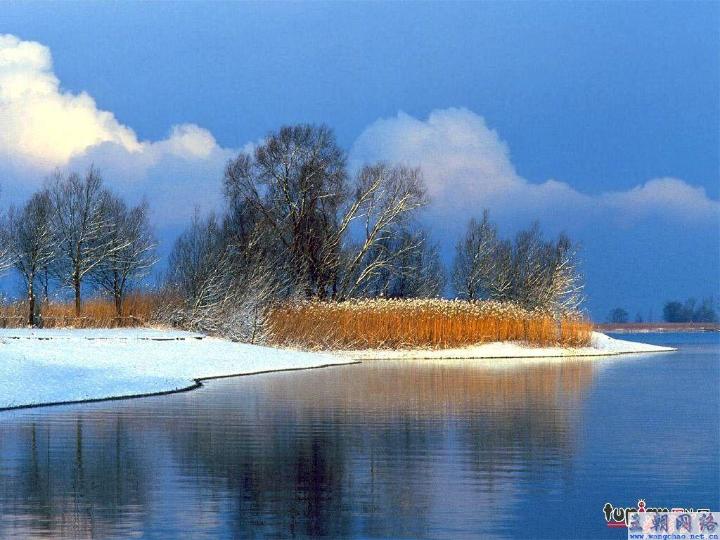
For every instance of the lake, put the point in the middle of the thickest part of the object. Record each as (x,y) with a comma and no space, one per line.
(412,449)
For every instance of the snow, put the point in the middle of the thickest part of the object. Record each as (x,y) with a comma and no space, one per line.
(96,333)
(601,345)
(52,366)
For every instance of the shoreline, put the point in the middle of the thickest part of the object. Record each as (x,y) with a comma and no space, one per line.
(40,368)
(656,328)
(198,383)
(601,345)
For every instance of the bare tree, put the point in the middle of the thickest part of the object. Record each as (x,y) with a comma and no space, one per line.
(432,275)
(413,268)
(545,274)
(32,244)
(44,276)
(529,275)
(295,226)
(130,247)
(389,256)
(500,284)
(296,188)
(296,183)
(476,260)
(565,287)
(224,286)
(196,264)
(384,202)
(532,272)
(80,225)
(6,252)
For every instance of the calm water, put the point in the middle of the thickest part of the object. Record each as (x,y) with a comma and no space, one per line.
(408,449)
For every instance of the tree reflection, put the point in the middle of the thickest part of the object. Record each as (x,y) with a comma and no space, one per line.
(342,451)
(362,449)
(75,478)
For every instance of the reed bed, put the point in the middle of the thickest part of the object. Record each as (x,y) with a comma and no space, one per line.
(139,309)
(412,324)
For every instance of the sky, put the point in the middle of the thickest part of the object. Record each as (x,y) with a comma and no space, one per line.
(601,119)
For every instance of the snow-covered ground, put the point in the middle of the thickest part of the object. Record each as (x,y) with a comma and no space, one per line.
(97,333)
(601,345)
(51,366)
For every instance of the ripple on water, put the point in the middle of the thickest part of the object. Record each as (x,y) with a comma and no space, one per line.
(386,448)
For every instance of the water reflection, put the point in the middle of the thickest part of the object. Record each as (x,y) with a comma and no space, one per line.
(372,449)
(69,479)
(412,449)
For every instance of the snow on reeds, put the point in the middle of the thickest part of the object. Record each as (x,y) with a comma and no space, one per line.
(422,323)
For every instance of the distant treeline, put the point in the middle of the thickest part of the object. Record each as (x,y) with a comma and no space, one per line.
(674,312)
(296,225)
(690,311)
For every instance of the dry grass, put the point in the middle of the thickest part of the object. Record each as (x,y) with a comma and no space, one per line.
(138,310)
(364,324)
(408,324)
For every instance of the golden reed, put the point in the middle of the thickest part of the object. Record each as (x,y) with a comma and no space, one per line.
(425,323)
(138,310)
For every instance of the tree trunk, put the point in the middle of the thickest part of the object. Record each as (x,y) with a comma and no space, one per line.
(76,284)
(31,301)
(46,295)
(118,304)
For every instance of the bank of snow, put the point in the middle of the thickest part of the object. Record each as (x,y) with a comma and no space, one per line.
(51,366)
(58,366)
(601,345)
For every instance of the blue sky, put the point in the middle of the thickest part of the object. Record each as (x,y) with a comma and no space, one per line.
(616,104)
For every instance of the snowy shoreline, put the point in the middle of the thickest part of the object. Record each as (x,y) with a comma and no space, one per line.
(601,345)
(50,367)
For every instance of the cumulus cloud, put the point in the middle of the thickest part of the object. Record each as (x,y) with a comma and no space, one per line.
(44,127)
(658,238)
(41,123)
(457,151)
(467,166)
(670,197)
(188,141)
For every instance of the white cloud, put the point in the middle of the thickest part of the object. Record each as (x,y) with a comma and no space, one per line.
(458,153)
(664,196)
(188,140)
(43,127)
(40,122)
(467,167)
(466,164)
